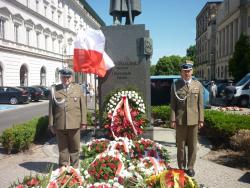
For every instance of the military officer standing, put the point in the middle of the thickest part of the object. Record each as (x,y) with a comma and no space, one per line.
(187,115)
(67,113)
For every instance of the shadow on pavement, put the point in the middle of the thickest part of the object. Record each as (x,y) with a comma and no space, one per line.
(245,178)
(39,167)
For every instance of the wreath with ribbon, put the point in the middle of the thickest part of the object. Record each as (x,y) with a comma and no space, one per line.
(125,114)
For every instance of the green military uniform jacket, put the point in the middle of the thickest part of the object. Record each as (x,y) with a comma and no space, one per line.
(71,113)
(187,103)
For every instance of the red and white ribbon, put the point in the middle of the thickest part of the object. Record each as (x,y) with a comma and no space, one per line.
(124,102)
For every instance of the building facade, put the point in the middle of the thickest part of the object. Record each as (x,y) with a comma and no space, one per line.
(206,40)
(218,28)
(232,20)
(36,39)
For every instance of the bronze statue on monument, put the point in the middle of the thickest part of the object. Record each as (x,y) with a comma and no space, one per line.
(124,8)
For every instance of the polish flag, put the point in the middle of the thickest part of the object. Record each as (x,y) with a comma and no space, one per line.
(89,54)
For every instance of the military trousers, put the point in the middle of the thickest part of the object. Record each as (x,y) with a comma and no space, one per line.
(186,136)
(69,145)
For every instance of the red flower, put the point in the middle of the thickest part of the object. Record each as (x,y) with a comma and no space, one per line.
(33,182)
(20,186)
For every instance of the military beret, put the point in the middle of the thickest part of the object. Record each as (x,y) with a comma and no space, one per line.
(66,72)
(187,65)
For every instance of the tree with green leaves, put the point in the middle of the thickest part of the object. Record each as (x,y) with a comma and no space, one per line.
(152,70)
(168,65)
(191,53)
(239,64)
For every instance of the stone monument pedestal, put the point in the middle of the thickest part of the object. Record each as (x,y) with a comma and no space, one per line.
(130,47)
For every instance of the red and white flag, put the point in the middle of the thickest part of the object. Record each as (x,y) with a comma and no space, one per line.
(89,54)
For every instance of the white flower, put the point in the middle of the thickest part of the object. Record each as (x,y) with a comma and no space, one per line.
(96,184)
(110,181)
(85,172)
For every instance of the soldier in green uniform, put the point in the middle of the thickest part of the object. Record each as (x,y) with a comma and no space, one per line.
(187,115)
(67,114)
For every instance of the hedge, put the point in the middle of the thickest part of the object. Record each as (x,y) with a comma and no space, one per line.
(19,137)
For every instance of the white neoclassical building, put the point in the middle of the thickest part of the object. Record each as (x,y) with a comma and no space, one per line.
(37,39)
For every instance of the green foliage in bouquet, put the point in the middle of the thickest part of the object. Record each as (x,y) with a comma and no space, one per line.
(30,182)
(96,147)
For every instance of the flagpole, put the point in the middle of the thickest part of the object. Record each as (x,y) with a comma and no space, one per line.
(95,107)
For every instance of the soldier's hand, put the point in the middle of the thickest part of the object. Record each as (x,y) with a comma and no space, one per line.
(83,126)
(201,124)
(173,124)
(52,129)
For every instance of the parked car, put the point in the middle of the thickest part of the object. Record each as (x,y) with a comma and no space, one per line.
(161,88)
(35,93)
(46,91)
(220,89)
(242,95)
(13,95)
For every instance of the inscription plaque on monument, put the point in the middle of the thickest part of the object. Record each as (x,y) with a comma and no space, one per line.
(129,48)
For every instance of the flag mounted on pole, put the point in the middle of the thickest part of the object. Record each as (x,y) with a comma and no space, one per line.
(89,54)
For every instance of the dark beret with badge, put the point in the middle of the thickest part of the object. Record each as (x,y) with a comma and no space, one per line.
(187,65)
(66,72)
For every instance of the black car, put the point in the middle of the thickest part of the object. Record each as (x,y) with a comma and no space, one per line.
(46,91)
(35,93)
(13,95)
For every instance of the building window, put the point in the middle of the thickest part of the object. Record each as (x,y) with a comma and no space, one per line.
(27,36)
(53,45)
(16,33)
(57,75)
(59,46)
(59,19)
(23,76)
(52,15)
(28,3)
(69,22)
(45,11)
(43,77)
(222,72)
(37,6)
(2,22)
(46,42)
(37,40)
(248,21)
(1,76)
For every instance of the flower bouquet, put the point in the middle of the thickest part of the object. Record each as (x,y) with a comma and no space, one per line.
(125,115)
(95,147)
(29,182)
(105,170)
(119,166)
(149,148)
(171,178)
(66,177)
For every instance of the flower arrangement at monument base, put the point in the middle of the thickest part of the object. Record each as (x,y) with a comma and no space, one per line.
(171,178)
(125,114)
(120,165)
(65,177)
(29,181)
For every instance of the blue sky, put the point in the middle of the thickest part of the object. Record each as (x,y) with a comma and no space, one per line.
(172,23)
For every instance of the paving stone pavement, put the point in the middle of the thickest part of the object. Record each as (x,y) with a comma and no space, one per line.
(41,157)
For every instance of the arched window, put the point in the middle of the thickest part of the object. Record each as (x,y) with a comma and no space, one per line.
(23,76)
(57,75)
(43,76)
(1,76)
